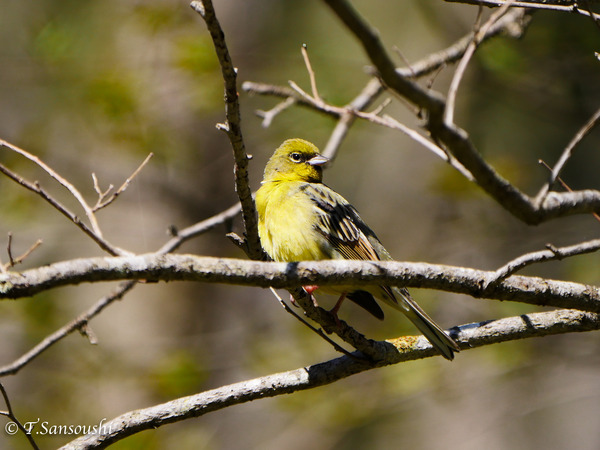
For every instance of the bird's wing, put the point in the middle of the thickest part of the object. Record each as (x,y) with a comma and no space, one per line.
(339,222)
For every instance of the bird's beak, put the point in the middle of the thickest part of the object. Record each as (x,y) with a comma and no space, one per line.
(318,160)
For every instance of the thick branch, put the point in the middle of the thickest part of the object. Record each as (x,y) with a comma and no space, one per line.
(456,140)
(512,328)
(153,267)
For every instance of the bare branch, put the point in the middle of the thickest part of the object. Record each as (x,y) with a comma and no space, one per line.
(456,140)
(362,101)
(567,153)
(476,335)
(478,35)
(269,115)
(19,259)
(553,253)
(35,187)
(318,331)
(62,181)
(311,73)
(374,87)
(102,200)
(283,92)
(200,228)
(11,415)
(77,324)
(347,113)
(81,322)
(155,267)
(549,6)
(232,126)
(393,123)
(565,186)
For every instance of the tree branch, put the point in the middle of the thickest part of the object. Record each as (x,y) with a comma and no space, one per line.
(11,415)
(104,199)
(567,153)
(456,140)
(232,126)
(62,181)
(76,324)
(553,253)
(477,335)
(347,114)
(91,232)
(155,267)
(567,6)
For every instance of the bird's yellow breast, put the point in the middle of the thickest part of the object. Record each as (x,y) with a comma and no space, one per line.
(286,218)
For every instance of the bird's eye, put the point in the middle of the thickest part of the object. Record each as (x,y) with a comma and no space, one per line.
(296,157)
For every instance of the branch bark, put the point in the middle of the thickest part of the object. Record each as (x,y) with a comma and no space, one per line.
(169,267)
(485,333)
(456,140)
(232,127)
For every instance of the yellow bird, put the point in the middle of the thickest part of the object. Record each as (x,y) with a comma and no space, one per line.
(300,219)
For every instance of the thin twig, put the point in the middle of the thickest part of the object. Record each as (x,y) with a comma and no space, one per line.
(104,202)
(405,60)
(566,186)
(62,181)
(76,324)
(553,253)
(9,250)
(19,259)
(311,72)
(478,35)
(35,187)
(101,194)
(387,121)
(532,5)
(512,24)
(318,331)
(567,153)
(416,136)
(384,104)
(269,115)
(81,322)
(362,101)
(595,18)
(11,415)
(199,228)
(304,94)
(282,92)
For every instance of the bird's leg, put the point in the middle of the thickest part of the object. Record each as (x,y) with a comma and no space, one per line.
(293,301)
(309,290)
(337,307)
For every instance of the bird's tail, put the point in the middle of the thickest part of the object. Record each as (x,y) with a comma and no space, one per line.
(431,330)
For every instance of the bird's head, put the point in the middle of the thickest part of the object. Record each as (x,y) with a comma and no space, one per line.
(295,160)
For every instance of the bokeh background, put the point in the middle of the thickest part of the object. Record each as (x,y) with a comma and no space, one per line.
(93,87)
